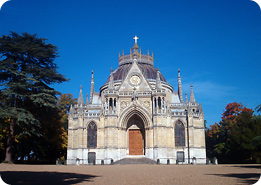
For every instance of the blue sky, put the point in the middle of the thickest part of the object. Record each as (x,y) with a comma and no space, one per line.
(216,44)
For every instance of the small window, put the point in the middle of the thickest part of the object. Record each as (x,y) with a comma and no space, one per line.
(180,156)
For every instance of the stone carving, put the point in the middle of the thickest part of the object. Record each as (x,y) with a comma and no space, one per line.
(135,80)
(124,104)
(146,104)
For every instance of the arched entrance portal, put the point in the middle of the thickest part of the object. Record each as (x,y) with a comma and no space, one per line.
(136,133)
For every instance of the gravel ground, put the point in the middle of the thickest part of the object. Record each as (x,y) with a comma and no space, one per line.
(129,174)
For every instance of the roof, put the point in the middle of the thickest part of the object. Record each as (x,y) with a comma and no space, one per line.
(175,98)
(96,99)
(148,71)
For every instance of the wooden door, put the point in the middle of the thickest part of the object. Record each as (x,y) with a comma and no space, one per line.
(135,142)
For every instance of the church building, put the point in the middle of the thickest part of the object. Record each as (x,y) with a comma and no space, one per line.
(136,113)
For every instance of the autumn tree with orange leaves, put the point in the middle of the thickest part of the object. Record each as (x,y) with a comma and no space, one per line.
(231,140)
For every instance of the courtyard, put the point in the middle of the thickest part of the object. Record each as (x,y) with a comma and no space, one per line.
(130,174)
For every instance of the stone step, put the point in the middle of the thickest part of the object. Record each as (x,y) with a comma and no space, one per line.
(135,160)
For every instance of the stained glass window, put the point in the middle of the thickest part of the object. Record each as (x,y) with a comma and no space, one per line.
(179,134)
(92,135)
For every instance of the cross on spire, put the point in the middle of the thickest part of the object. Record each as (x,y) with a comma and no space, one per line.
(135,38)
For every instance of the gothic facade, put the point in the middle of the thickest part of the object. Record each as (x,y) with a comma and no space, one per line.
(137,113)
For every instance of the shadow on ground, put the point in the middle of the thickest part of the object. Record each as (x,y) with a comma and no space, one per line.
(46,178)
(248,166)
(248,178)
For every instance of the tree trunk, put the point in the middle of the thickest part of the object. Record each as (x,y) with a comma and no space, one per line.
(10,139)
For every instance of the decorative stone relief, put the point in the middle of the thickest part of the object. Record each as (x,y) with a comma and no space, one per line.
(124,104)
(146,104)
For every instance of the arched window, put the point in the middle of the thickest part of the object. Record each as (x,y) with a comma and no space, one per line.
(110,104)
(179,134)
(159,102)
(92,135)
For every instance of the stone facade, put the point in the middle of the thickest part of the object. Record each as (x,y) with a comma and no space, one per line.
(136,113)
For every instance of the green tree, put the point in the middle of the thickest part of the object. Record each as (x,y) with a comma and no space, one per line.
(257,140)
(64,103)
(27,70)
(231,140)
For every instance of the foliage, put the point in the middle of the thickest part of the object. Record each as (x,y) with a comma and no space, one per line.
(64,103)
(27,70)
(258,108)
(232,140)
(4,123)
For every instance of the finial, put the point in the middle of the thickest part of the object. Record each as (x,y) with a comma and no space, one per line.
(87,99)
(152,54)
(148,52)
(180,87)
(80,99)
(92,88)
(135,38)
(158,82)
(111,84)
(186,100)
(119,54)
(192,97)
(122,52)
(92,75)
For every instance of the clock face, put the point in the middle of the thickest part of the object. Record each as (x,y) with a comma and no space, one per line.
(135,80)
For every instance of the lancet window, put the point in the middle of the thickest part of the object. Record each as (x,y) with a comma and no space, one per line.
(92,135)
(159,102)
(159,105)
(179,134)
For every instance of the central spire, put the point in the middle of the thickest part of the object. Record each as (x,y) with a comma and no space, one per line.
(135,53)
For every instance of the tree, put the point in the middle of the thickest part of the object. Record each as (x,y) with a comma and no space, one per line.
(231,140)
(241,136)
(27,70)
(257,140)
(64,103)
(258,108)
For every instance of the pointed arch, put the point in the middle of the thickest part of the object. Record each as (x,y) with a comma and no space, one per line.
(135,110)
(179,131)
(92,135)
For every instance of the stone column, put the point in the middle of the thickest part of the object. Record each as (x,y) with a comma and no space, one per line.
(153,105)
(116,105)
(164,105)
(157,105)
(161,105)
(106,106)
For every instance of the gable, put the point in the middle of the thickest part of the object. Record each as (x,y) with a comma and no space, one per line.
(136,79)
